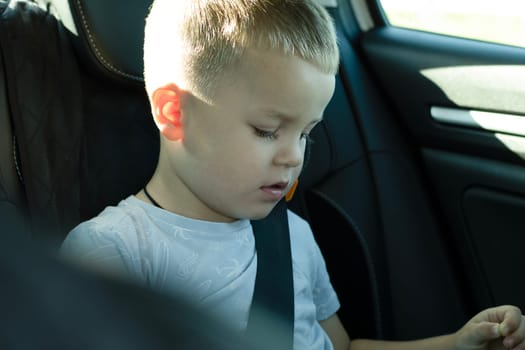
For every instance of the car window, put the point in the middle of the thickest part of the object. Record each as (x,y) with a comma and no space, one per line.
(501,21)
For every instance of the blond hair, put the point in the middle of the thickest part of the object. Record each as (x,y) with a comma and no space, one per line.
(194,43)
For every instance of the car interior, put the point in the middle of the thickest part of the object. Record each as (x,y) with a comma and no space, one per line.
(392,200)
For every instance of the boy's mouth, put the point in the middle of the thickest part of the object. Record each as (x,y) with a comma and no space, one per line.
(275,191)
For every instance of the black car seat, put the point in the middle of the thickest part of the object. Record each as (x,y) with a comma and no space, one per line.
(74,118)
(85,139)
(12,199)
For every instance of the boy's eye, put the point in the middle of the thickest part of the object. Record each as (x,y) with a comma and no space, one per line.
(267,134)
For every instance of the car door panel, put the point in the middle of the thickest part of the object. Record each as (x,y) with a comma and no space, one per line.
(419,70)
(473,160)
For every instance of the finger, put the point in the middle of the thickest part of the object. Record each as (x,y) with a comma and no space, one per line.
(485,331)
(516,337)
(520,346)
(511,320)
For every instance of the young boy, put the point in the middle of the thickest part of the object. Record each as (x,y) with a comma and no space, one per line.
(235,87)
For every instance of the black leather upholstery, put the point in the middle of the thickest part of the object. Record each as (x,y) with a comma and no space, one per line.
(72,125)
(12,199)
(31,48)
(110,35)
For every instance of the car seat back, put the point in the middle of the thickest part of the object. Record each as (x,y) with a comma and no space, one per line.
(12,198)
(85,137)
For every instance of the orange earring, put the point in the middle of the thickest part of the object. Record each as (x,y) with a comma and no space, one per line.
(291,192)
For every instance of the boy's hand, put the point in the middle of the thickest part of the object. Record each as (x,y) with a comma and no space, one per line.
(496,328)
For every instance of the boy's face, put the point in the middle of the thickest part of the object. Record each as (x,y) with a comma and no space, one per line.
(241,153)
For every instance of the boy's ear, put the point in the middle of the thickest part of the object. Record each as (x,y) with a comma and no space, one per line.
(167,111)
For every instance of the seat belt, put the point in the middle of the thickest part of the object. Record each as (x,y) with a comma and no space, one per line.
(273,292)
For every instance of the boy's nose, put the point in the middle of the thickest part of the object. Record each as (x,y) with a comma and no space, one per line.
(290,155)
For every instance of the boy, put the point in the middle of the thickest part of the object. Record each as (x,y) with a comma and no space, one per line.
(235,87)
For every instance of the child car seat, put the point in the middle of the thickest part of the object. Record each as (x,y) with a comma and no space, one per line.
(12,199)
(85,137)
(83,131)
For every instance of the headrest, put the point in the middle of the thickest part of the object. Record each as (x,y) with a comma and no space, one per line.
(110,34)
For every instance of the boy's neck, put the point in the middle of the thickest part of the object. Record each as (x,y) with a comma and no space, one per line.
(164,191)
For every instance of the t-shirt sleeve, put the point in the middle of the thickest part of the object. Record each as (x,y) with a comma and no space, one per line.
(102,249)
(310,258)
(325,297)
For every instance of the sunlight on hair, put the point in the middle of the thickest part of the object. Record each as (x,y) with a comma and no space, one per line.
(195,44)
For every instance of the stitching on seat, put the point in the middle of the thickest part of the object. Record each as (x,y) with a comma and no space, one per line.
(15,158)
(98,54)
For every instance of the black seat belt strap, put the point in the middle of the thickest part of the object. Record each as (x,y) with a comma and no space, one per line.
(274,281)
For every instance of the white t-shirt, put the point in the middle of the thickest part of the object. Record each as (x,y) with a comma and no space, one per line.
(213,264)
